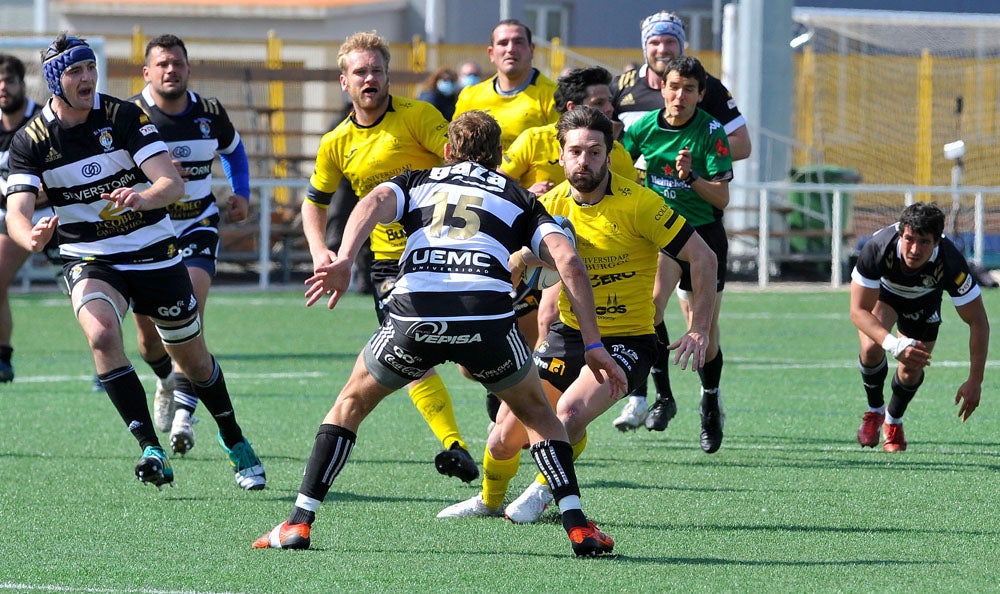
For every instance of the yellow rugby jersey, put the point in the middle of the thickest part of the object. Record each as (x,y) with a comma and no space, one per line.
(409,136)
(534,157)
(618,239)
(534,106)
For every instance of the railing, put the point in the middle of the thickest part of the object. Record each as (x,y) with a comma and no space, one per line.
(757,216)
(765,204)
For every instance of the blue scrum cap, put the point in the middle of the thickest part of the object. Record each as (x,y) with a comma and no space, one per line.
(663,23)
(56,61)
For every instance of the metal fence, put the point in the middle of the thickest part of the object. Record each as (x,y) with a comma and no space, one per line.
(814,239)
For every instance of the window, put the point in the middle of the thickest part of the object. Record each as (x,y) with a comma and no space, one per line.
(548,21)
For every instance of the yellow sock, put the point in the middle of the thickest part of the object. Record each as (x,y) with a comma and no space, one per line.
(577,450)
(432,400)
(496,478)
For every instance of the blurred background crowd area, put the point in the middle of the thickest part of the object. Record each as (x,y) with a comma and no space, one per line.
(872,96)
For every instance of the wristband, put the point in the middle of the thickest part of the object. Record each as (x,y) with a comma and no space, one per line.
(895,346)
(596,345)
(690,179)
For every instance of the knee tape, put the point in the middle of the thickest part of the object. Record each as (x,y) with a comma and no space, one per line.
(102,297)
(180,334)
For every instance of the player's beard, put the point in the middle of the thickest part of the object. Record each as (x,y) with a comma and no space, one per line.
(14,103)
(587,181)
(173,94)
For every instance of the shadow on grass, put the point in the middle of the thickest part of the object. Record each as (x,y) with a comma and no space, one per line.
(951,457)
(766,563)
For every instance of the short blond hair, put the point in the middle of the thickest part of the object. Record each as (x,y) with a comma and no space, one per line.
(362,41)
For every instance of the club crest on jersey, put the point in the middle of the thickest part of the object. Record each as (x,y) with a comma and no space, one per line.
(104,137)
(205,127)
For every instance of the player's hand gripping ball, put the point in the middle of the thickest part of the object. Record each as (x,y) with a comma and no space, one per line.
(542,277)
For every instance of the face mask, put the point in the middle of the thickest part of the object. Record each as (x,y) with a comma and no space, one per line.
(445,87)
(469,79)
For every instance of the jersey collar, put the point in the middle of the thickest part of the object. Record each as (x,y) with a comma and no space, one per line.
(147,98)
(376,122)
(50,116)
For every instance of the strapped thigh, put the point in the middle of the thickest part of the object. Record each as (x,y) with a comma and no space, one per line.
(180,334)
(96,296)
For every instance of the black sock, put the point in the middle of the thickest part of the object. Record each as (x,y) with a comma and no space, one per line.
(5,353)
(573,518)
(301,516)
(184,396)
(215,395)
(640,390)
(127,395)
(660,373)
(331,449)
(555,460)
(901,396)
(873,379)
(492,406)
(162,367)
(711,373)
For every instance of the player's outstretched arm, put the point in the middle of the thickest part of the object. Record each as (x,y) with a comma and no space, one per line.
(165,188)
(333,279)
(969,393)
(693,344)
(20,210)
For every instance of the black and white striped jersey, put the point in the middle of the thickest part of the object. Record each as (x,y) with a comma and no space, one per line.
(193,139)
(78,164)
(880,264)
(6,137)
(462,222)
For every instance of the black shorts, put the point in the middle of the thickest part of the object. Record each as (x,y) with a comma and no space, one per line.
(199,244)
(714,235)
(163,293)
(560,356)
(493,351)
(383,274)
(526,299)
(919,319)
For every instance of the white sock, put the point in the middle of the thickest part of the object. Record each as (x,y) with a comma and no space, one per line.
(893,420)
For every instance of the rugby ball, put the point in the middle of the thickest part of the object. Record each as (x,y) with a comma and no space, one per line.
(540,277)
